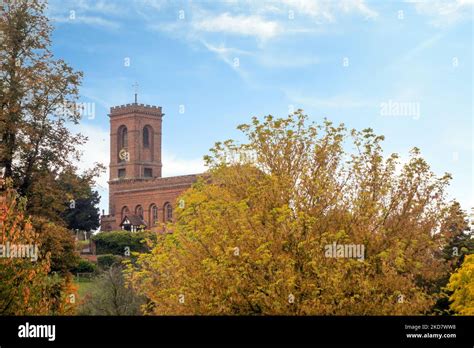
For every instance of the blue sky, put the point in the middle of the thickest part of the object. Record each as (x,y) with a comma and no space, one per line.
(225,61)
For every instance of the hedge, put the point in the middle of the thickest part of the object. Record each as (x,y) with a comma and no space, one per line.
(107,260)
(117,242)
(84,266)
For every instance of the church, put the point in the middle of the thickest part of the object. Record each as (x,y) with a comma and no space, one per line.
(139,197)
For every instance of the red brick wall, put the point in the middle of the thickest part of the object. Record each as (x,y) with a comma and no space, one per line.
(159,191)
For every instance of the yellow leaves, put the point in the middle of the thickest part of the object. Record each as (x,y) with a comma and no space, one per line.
(400,263)
(304,192)
(340,235)
(262,254)
(461,283)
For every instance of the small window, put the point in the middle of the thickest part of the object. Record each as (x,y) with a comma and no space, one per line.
(146,137)
(121,173)
(168,210)
(148,173)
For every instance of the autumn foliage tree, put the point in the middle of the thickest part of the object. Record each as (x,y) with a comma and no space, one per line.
(37,96)
(252,235)
(25,286)
(38,100)
(38,151)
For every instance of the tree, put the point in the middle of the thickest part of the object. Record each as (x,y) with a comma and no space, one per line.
(83,214)
(459,244)
(256,234)
(67,199)
(38,98)
(34,90)
(460,241)
(57,242)
(461,284)
(25,287)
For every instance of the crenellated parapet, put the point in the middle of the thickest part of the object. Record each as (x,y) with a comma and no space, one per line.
(134,108)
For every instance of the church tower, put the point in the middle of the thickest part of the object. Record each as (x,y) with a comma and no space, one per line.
(135,146)
(139,197)
(135,142)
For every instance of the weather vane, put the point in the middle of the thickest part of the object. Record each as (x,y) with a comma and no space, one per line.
(135,85)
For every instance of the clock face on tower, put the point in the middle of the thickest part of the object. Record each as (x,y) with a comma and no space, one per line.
(124,155)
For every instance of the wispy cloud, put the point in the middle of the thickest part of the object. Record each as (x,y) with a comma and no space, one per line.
(329,10)
(231,56)
(334,102)
(265,20)
(425,44)
(252,25)
(444,13)
(87,20)
(155,4)
(97,13)
(227,54)
(108,8)
(358,6)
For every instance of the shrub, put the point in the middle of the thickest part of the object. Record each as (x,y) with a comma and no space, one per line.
(85,266)
(106,261)
(57,241)
(116,242)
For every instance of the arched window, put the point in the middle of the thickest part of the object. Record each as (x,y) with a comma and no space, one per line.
(139,211)
(146,137)
(153,215)
(124,212)
(168,210)
(122,142)
(123,137)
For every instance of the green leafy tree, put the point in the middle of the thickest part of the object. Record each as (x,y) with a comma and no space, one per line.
(460,243)
(84,214)
(67,199)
